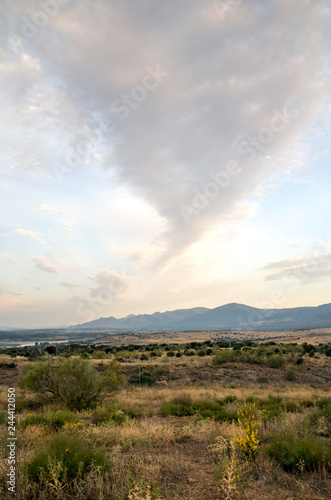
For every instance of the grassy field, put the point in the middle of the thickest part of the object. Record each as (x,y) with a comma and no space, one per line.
(189,427)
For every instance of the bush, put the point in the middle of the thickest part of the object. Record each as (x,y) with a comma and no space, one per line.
(230,398)
(67,457)
(74,382)
(146,378)
(276,361)
(293,452)
(263,379)
(307,403)
(290,375)
(176,409)
(52,420)
(108,415)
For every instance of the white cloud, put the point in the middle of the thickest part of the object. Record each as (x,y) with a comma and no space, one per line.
(62,263)
(228,78)
(49,209)
(42,264)
(30,234)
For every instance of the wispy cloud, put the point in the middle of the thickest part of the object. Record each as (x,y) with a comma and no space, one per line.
(43,265)
(62,263)
(8,258)
(30,234)
(309,270)
(49,209)
(68,285)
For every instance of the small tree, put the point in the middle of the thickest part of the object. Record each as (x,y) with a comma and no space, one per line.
(73,381)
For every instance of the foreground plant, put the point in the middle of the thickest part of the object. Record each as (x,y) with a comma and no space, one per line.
(230,469)
(73,382)
(248,419)
(65,459)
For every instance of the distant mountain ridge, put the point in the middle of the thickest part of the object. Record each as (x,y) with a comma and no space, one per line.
(229,316)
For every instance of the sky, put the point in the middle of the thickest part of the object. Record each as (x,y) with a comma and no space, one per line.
(162,155)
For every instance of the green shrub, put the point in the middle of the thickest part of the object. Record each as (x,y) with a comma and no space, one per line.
(50,419)
(74,382)
(324,410)
(182,399)
(290,375)
(263,379)
(175,409)
(226,356)
(307,403)
(146,378)
(111,414)
(275,361)
(323,402)
(207,404)
(293,452)
(230,398)
(67,457)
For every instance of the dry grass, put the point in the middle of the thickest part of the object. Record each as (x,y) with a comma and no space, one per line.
(157,458)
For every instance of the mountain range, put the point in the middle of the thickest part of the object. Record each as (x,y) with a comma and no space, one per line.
(230,316)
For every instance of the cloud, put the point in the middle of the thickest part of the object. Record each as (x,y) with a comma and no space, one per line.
(109,283)
(8,258)
(306,271)
(30,234)
(67,285)
(62,263)
(49,209)
(239,85)
(42,264)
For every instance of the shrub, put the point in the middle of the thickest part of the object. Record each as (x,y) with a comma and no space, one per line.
(230,398)
(50,419)
(290,375)
(202,352)
(276,361)
(226,356)
(146,378)
(108,415)
(323,402)
(176,409)
(73,381)
(144,357)
(182,399)
(307,403)
(65,458)
(263,379)
(294,453)
(250,424)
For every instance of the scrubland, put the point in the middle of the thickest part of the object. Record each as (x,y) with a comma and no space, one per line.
(217,426)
